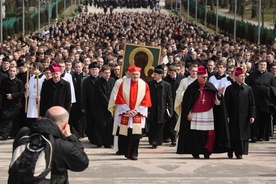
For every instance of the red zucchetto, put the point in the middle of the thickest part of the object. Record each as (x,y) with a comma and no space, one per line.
(201,70)
(133,68)
(238,71)
(55,67)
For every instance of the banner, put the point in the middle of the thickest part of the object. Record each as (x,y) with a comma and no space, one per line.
(145,57)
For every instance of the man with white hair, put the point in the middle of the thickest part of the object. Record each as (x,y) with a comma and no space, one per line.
(133,100)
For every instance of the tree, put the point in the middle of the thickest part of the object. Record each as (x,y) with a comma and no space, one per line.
(274,14)
(264,5)
(232,5)
(254,9)
(241,8)
(212,5)
(224,3)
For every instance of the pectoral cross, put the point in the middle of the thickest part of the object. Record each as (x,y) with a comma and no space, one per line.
(203,99)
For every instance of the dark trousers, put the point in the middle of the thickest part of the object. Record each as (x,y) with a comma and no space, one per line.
(156,133)
(121,147)
(7,124)
(260,129)
(169,128)
(130,144)
(78,120)
(240,147)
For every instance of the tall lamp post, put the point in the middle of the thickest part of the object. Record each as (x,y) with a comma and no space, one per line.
(188,10)
(38,16)
(64,5)
(196,11)
(1,21)
(49,16)
(205,21)
(217,18)
(259,21)
(23,18)
(57,10)
(180,5)
(235,20)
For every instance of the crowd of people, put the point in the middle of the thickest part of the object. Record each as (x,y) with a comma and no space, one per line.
(77,64)
(123,3)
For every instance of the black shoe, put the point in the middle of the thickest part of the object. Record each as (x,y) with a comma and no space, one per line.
(239,157)
(133,158)
(173,144)
(3,138)
(166,140)
(230,154)
(99,146)
(260,139)
(119,153)
(154,146)
(253,140)
(195,156)
(206,156)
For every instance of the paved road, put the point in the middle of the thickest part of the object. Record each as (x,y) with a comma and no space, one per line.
(162,4)
(226,13)
(163,165)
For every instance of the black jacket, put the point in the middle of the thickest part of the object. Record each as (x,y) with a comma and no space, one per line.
(174,83)
(2,76)
(161,98)
(16,89)
(88,93)
(68,153)
(240,105)
(78,85)
(55,94)
(260,83)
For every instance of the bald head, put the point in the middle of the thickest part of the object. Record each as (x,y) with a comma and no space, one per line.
(57,114)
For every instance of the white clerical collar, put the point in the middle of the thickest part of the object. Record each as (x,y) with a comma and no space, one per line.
(159,81)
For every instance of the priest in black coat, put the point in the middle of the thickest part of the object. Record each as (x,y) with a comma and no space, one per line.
(199,133)
(55,91)
(77,117)
(174,79)
(88,97)
(261,81)
(161,109)
(103,124)
(240,105)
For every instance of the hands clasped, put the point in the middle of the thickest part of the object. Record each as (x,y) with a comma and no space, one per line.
(132,113)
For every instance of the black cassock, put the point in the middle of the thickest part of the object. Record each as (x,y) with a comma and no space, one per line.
(171,122)
(77,117)
(88,103)
(161,98)
(190,140)
(55,94)
(240,106)
(103,124)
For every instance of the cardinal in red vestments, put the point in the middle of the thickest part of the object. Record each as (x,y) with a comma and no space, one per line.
(133,100)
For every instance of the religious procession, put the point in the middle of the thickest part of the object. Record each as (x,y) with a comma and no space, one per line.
(205,94)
